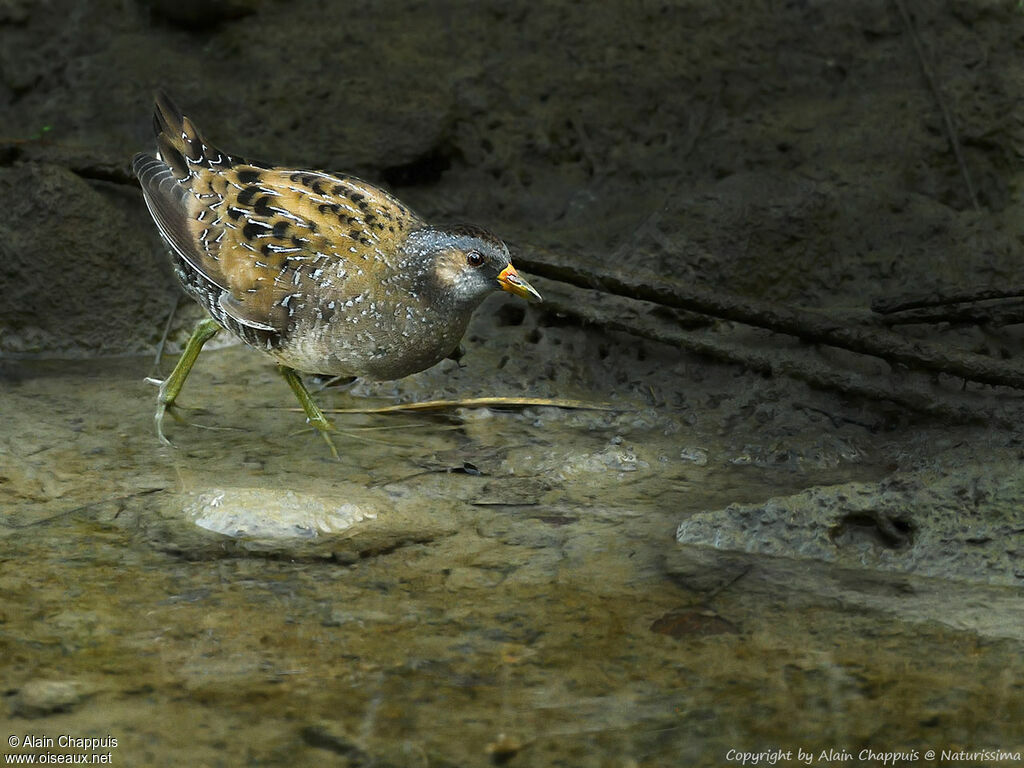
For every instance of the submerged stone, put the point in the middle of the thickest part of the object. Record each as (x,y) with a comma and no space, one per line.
(38,698)
(260,513)
(345,525)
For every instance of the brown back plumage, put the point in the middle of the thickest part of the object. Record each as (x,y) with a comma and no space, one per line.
(265,239)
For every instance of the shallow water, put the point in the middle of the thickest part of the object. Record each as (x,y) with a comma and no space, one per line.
(530,606)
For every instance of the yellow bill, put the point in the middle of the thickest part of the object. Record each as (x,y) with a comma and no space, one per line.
(510,281)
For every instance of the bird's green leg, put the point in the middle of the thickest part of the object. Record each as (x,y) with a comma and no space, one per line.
(171,386)
(313,413)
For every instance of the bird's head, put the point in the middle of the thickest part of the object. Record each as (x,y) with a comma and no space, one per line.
(462,264)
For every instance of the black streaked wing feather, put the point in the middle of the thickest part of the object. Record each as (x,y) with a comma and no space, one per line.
(242,314)
(168,203)
(270,239)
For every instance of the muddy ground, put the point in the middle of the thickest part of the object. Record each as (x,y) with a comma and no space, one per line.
(729,559)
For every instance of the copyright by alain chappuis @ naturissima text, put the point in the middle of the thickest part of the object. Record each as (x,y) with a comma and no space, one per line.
(941,757)
(65,749)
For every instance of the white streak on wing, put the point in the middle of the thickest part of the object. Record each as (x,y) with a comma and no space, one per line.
(288,215)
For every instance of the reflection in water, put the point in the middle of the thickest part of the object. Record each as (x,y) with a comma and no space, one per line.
(536,609)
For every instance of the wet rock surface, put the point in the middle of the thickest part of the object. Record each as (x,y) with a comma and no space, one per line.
(79,274)
(959,523)
(38,698)
(723,559)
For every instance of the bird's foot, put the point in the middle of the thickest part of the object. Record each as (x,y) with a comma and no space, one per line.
(166,406)
(316,419)
(314,416)
(325,434)
(169,388)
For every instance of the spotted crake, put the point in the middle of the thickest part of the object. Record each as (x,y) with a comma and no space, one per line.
(324,272)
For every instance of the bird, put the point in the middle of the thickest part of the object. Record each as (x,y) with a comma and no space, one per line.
(325,273)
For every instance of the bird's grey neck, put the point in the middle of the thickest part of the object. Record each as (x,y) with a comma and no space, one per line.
(425,240)
(421,248)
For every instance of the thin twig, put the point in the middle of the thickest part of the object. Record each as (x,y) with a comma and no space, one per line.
(648,226)
(815,327)
(915,301)
(777,363)
(163,337)
(479,402)
(951,134)
(992,315)
(83,508)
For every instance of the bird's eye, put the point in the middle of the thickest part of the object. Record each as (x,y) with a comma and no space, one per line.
(474,259)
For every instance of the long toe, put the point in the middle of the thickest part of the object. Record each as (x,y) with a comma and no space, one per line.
(324,427)
(330,444)
(158,418)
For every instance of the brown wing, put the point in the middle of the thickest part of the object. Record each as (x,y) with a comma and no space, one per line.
(171,184)
(270,238)
(281,239)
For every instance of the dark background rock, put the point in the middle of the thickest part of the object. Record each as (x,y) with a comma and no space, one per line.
(798,145)
(962,525)
(793,152)
(81,277)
